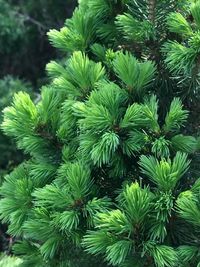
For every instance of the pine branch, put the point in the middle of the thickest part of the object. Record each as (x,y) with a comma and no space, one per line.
(152,10)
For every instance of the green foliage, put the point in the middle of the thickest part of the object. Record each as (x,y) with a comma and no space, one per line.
(178,24)
(176,116)
(182,54)
(81,34)
(136,76)
(57,195)
(79,76)
(164,174)
(115,229)
(163,255)
(109,178)
(6,261)
(140,30)
(8,87)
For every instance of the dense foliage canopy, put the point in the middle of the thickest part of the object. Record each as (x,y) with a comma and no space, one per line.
(111,177)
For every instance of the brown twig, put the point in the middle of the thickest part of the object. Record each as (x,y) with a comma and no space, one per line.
(152,10)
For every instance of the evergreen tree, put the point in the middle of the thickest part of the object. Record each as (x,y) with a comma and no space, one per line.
(108,180)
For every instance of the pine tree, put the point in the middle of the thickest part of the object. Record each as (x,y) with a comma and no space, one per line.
(108,180)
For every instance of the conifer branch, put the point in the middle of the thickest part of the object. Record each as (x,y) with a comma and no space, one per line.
(152,10)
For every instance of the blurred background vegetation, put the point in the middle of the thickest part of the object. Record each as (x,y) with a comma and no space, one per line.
(24,47)
(24,52)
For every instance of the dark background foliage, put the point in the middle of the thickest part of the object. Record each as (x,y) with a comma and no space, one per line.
(24,47)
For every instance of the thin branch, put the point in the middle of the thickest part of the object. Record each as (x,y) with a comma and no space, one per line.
(41,27)
(152,10)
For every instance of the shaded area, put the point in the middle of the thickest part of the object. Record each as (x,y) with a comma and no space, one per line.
(24,47)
